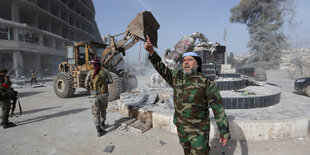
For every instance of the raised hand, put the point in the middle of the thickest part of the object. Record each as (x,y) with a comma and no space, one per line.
(148,46)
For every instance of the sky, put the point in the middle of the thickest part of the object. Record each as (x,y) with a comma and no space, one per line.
(184,17)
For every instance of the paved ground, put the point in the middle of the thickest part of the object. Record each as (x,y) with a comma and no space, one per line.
(51,125)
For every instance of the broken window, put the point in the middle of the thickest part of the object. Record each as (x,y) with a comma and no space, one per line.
(28,36)
(31,37)
(4,33)
(47,41)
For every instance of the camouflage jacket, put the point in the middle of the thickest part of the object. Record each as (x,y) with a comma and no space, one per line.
(6,92)
(192,95)
(99,82)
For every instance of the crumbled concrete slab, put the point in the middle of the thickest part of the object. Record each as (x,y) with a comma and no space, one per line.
(140,127)
(129,121)
(113,109)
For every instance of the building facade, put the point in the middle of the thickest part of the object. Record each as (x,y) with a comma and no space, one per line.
(34,33)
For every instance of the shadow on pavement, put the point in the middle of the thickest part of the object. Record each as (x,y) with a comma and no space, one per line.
(230,148)
(25,94)
(108,128)
(38,110)
(45,117)
(299,93)
(81,94)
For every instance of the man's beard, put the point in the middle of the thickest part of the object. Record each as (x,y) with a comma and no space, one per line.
(192,70)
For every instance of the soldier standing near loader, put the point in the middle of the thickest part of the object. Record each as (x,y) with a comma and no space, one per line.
(96,82)
(192,91)
(33,77)
(5,97)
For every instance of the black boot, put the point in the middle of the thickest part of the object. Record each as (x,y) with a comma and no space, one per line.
(8,125)
(100,132)
(102,125)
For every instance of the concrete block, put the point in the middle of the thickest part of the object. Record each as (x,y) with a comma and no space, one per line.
(164,96)
(140,126)
(127,111)
(164,122)
(144,115)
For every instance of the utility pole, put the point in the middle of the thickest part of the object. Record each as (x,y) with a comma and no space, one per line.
(225,41)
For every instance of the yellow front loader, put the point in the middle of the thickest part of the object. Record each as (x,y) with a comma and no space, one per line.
(73,71)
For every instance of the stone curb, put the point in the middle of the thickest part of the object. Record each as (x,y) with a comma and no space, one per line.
(240,129)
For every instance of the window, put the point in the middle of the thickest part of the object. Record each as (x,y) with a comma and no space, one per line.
(4,32)
(81,56)
(70,56)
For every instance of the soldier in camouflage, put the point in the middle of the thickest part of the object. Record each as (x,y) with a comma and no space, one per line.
(193,92)
(96,82)
(6,94)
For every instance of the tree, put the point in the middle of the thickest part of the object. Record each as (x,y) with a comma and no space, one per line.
(264,19)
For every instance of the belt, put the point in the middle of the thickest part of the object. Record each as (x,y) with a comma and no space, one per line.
(95,92)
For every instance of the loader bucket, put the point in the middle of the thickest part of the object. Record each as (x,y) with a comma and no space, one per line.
(144,24)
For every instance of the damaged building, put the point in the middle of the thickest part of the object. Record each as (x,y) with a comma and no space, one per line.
(34,33)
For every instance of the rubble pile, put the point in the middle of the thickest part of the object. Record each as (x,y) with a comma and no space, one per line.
(157,82)
(186,44)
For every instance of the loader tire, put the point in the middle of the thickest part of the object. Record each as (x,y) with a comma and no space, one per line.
(115,88)
(63,85)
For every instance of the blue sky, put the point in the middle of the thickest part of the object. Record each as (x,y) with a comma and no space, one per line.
(184,17)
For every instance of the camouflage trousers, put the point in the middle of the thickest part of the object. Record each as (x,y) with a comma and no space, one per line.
(194,144)
(5,105)
(194,141)
(99,107)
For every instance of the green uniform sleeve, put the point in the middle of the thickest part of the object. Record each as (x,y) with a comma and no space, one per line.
(164,71)
(215,101)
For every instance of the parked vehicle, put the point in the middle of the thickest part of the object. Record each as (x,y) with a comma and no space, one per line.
(258,74)
(302,85)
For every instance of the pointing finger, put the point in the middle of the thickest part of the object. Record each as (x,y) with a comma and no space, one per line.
(148,39)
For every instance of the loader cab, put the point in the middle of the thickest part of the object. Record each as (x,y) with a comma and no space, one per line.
(76,56)
(82,53)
